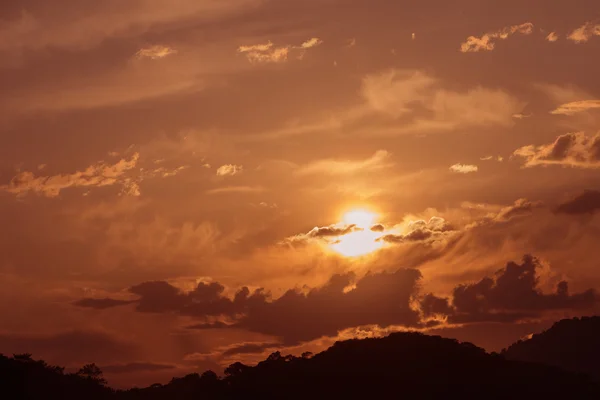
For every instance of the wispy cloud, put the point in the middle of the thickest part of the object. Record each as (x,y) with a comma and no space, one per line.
(584,33)
(492,158)
(487,42)
(155,52)
(464,168)
(312,42)
(576,107)
(269,53)
(399,93)
(378,160)
(100,174)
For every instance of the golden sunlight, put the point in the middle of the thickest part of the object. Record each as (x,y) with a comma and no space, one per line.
(362,241)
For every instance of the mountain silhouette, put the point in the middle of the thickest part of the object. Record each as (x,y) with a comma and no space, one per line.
(572,344)
(401,365)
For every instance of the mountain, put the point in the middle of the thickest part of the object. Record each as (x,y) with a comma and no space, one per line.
(401,365)
(572,344)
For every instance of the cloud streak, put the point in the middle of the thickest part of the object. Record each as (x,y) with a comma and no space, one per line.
(96,175)
(464,168)
(487,42)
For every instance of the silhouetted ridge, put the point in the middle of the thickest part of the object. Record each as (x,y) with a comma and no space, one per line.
(572,344)
(401,365)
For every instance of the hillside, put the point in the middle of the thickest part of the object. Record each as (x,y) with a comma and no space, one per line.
(405,365)
(572,344)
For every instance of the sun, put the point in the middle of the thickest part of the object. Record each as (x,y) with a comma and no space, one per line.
(362,218)
(363,240)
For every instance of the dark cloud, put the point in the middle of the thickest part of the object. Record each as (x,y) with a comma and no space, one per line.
(432,305)
(101,304)
(511,295)
(249,348)
(382,299)
(210,325)
(586,203)
(378,228)
(421,231)
(135,367)
(325,233)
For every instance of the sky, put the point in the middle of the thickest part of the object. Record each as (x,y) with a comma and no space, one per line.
(185,184)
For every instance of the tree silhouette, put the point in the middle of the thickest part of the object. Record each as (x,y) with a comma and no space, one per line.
(92,372)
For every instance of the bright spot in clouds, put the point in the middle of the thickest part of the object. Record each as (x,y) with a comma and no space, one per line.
(362,241)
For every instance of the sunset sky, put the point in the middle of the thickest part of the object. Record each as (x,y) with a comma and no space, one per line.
(189,183)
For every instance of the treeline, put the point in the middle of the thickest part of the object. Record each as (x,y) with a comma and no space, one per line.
(402,365)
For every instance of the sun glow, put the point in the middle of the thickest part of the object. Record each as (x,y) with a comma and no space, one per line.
(363,240)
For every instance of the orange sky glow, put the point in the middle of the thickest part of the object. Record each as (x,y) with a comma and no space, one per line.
(188,184)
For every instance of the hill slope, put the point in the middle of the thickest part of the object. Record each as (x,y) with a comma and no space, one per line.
(572,344)
(402,365)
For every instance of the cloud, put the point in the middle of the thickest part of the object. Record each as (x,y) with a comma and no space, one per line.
(378,298)
(377,161)
(236,189)
(519,208)
(85,27)
(584,33)
(256,47)
(96,175)
(101,304)
(135,367)
(403,94)
(552,37)
(248,348)
(229,170)
(328,233)
(463,168)
(492,158)
(378,228)
(268,53)
(487,42)
(435,229)
(576,107)
(513,294)
(572,149)
(155,52)
(313,42)
(586,203)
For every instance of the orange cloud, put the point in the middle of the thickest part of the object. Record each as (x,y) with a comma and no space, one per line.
(229,170)
(463,168)
(267,53)
(552,37)
(576,107)
(100,174)
(572,149)
(487,42)
(155,52)
(584,33)
(379,160)
(399,93)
